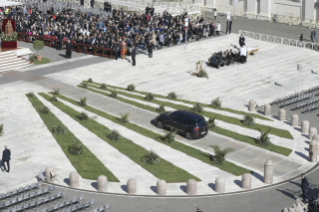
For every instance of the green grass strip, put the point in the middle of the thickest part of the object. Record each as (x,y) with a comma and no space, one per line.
(86,164)
(275,131)
(191,102)
(162,170)
(239,137)
(193,152)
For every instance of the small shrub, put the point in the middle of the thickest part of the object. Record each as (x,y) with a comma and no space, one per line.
(114,135)
(248,120)
(53,99)
(149,97)
(130,87)
(33,58)
(263,140)
(90,80)
(197,108)
(160,109)
(38,45)
(103,86)
(202,74)
(220,155)
(83,85)
(216,103)
(76,149)
(151,158)
(83,116)
(58,129)
(124,118)
(82,101)
(172,95)
(45,110)
(30,94)
(56,92)
(1,130)
(169,137)
(113,94)
(211,123)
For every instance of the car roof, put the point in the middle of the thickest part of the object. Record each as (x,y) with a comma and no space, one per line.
(190,114)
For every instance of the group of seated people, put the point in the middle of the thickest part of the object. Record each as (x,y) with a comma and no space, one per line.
(228,57)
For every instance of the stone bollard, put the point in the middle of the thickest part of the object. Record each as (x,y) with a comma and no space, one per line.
(304,127)
(191,187)
(315,137)
(74,179)
(161,187)
(220,185)
(313,150)
(131,186)
(48,177)
(282,115)
(294,120)
(246,181)
(102,183)
(268,172)
(252,105)
(312,132)
(267,110)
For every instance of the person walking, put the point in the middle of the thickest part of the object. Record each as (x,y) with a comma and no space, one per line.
(228,26)
(6,157)
(133,56)
(115,49)
(313,35)
(300,39)
(304,187)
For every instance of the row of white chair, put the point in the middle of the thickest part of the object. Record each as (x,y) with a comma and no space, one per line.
(20,190)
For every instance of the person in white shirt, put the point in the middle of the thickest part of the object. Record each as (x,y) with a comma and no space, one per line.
(215,14)
(218,28)
(243,54)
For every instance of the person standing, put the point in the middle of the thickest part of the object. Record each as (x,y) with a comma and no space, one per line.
(133,56)
(150,49)
(68,50)
(123,49)
(218,28)
(313,35)
(215,15)
(60,38)
(82,2)
(115,49)
(92,3)
(106,5)
(6,157)
(241,40)
(300,39)
(304,187)
(198,209)
(228,26)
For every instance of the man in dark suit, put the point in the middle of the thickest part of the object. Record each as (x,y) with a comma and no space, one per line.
(92,3)
(152,10)
(304,186)
(133,56)
(228,26)
(115,48)
(241,41)
(150,49)
(313,35)
(69,50)
(6,157)
(82,2)
(60,38)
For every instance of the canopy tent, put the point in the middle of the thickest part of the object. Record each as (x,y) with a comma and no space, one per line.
(4,3)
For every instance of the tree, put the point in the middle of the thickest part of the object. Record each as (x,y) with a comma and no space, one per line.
(220,155)
(38,45)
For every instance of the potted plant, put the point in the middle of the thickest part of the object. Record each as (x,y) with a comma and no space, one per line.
(38,45)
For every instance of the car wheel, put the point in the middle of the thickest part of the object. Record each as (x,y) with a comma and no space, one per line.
(188,135)
(160,124)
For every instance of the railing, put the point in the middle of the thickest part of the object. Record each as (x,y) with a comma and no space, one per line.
(280,40)
(294,20)
(78,47)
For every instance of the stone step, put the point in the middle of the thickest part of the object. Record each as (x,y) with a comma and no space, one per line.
(22,64)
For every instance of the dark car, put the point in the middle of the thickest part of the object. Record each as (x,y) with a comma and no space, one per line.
(187,123)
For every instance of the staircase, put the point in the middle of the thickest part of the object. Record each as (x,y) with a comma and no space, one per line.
(9,61)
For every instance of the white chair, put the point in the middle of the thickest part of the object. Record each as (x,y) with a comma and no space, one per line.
(41,176)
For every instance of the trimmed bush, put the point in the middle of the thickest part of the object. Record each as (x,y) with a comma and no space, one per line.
(124,118)
(197,108)
(219,157)
(160,109)
(130,87)
(82,102)
(103,86)
(172,95)
(84,85)
(113,94)
(56,92)
(114,135)
(149,97)
(30,94)
(33,58)
(76,149)
(1,130)
(83,116)
(211,123)
(169,137)
(263,140)
(202,74)
(45,110)
(151,158)
(248,120)
(216,103)
(90,80)
(58,129)
(53,99)
(38,45)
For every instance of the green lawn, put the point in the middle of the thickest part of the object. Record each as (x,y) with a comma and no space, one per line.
(43,61)
(162,170)
(192,103)
(86,164)
(228,119)
(193,152)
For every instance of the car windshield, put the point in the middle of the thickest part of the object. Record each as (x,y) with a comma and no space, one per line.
(200,122)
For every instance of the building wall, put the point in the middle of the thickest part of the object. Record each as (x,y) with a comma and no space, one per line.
(264,6)
(309,11)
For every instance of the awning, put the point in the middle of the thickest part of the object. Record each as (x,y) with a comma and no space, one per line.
(4,3)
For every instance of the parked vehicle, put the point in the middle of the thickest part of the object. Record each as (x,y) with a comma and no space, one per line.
(186,123)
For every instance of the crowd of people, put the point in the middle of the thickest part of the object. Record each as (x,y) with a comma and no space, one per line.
(119,31)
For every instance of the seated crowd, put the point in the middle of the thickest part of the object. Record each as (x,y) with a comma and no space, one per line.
(107,31)
(228,57)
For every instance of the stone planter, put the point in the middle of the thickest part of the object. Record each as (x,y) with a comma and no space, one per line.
(39,57)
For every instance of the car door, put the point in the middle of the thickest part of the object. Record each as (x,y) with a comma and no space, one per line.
(174,121)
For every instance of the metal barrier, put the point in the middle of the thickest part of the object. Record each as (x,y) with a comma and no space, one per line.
(280,40)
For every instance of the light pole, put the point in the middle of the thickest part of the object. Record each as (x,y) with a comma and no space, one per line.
(299,68)
(186,30)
